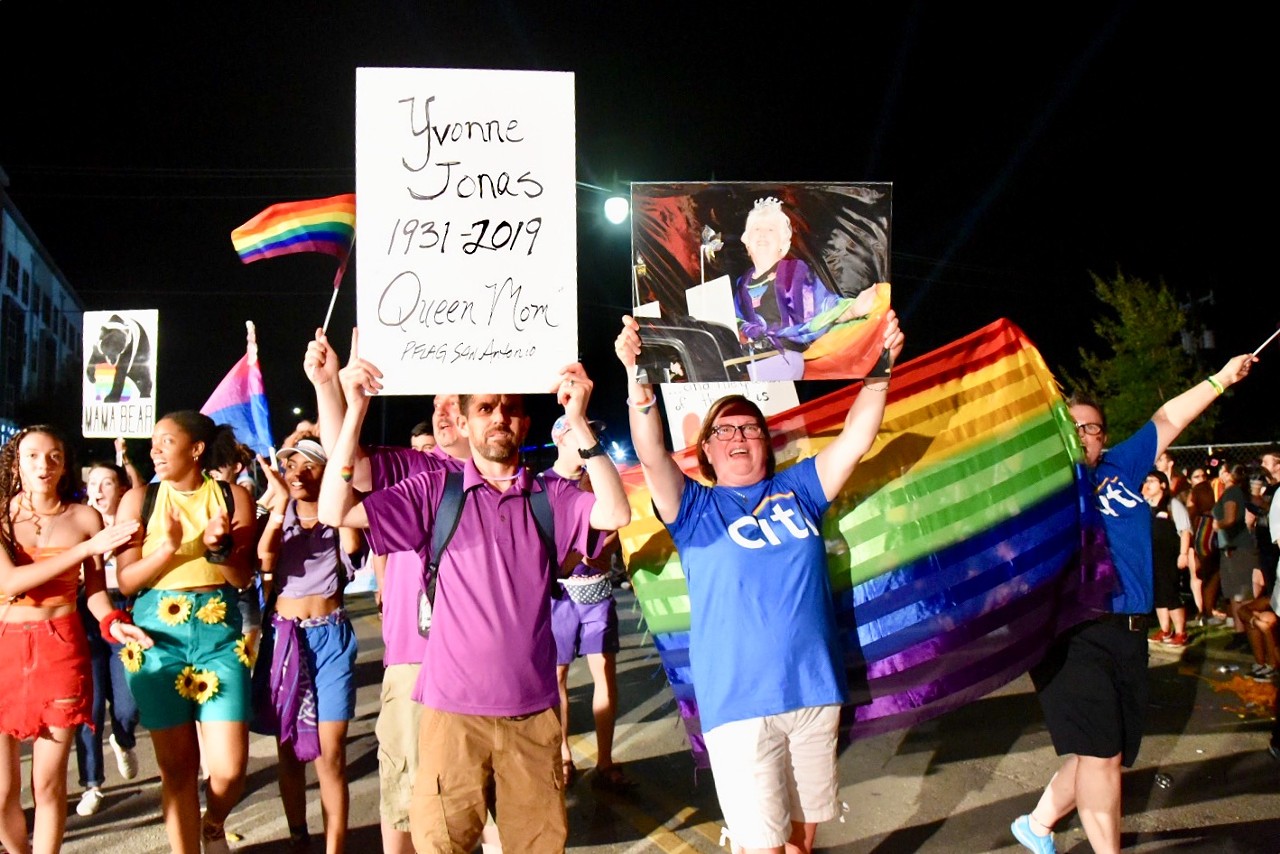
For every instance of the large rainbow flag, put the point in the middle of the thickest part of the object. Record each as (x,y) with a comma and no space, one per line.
(322,225)
(954,551)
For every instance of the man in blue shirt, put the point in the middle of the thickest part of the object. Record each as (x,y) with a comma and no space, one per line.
(1092,683)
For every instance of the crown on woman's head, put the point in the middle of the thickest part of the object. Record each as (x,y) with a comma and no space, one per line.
(768,201)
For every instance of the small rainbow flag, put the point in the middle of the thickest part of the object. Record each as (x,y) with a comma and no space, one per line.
(954,550)
(323,225)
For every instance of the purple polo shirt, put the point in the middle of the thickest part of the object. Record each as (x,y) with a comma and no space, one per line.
(491,650)
(311,558)
(402,577)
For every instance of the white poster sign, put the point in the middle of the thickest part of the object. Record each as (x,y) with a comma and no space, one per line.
(687,404)
(466,228)
(119,384)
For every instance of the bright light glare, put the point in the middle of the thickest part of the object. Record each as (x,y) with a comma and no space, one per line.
(617,209)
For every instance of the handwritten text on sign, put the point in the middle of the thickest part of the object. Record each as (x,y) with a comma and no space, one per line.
(466,228)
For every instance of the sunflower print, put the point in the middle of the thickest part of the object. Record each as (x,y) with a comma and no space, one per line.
(131,656)
(206,686)
(173,610)
(212,612)
(246,651)
(186,683)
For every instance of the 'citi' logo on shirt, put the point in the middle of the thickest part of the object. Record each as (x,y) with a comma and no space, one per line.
(754,532)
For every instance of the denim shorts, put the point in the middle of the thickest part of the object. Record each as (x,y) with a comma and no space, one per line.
(44,671)
(329,647)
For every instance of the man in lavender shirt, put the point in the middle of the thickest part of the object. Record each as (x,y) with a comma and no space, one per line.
(488,677)
(340,400)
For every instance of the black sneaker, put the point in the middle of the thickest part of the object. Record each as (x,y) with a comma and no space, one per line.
(1238,641)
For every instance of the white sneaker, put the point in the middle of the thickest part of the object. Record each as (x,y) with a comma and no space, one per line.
(126,760)
(89,802)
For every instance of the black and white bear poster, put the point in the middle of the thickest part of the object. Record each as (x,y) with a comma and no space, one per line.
(119,374)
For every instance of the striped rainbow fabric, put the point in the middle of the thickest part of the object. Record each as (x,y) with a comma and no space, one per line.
(322,225)
(954,550)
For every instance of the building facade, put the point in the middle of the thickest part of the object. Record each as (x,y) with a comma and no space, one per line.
(40,318)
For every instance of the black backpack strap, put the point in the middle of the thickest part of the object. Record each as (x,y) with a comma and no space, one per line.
(228,498)
(545,521)
(149,503)
(449,512)
(443,525)
(543,517)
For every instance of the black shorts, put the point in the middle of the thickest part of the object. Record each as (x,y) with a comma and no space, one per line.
(1167,586)
(1092,686)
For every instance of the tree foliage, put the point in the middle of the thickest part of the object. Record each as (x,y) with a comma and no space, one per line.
(1141,327)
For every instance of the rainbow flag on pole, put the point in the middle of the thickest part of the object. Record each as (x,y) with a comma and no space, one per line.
(323,225)
(954,550)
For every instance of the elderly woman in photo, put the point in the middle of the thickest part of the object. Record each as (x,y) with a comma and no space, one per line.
(780,302)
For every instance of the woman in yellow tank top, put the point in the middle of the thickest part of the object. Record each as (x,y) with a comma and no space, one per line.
(186,568)
(48,539)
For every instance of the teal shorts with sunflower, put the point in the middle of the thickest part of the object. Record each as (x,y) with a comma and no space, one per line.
(198,669)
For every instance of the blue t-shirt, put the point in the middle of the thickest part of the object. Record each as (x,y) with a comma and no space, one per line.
(763,637)
(1126,517)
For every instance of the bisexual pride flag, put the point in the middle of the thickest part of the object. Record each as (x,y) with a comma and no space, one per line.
(955,550)
(241,400)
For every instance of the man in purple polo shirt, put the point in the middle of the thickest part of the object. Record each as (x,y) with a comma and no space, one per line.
(488,678)
(340,400)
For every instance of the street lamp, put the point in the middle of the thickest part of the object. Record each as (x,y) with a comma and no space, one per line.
(617,206)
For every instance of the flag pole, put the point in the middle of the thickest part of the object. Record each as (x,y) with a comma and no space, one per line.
(337,282)
(251,341)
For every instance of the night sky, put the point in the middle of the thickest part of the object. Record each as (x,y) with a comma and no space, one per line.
(1026,150)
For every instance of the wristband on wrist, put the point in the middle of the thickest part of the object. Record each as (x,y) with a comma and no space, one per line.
(105,624)
(222,552)
(881,388)
(1217,386)
(642,406)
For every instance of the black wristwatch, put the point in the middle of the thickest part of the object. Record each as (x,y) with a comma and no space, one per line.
(596,450)
(222,552)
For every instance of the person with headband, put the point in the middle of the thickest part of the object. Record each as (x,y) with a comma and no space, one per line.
(777,297)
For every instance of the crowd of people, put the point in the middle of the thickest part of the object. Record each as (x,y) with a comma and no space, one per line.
(206,604)
(1214,530)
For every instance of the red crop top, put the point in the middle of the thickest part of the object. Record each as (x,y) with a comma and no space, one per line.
(56,591)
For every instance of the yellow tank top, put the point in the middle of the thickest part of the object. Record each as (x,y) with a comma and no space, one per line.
(187,568)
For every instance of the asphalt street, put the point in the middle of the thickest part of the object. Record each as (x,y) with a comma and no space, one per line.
(1204,781)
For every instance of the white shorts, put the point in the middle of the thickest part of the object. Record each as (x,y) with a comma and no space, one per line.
(775,770)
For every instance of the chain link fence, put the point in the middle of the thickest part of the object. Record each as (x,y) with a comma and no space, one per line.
(1249,454)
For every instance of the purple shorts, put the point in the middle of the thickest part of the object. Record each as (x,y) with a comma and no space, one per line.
(583,629)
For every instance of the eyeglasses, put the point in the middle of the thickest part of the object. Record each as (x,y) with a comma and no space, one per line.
(1091,429)
(724,432)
